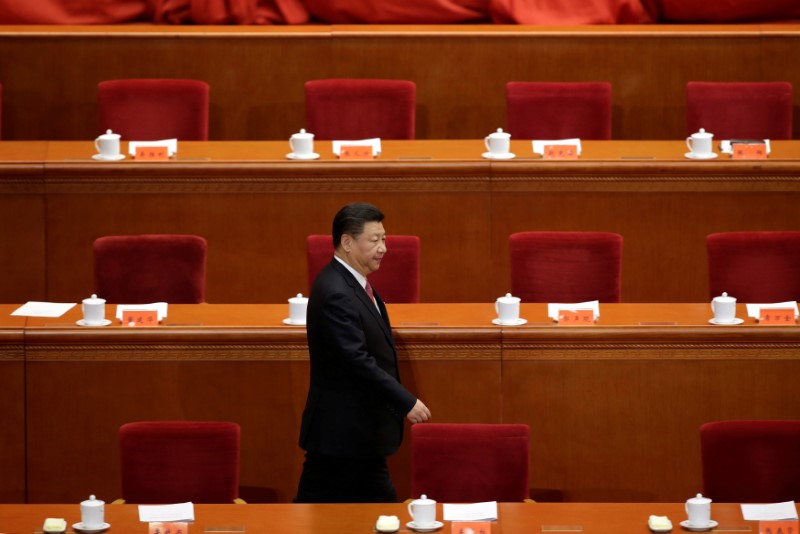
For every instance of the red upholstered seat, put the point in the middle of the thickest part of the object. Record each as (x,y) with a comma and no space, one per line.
(546,110)
(397,281)
(470,462)
(179,461)
(566,266)
(751,461)
(735,110)
(345,109)
(139,269)
(151,109)
(754,266)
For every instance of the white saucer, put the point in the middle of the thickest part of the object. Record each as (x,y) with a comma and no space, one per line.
(100,157)
(292,155)
(105,322)
(512,323)
(711,524)
(691,155)
(489,155)
(79,528)
(292,323)
(435,526)
(736,320)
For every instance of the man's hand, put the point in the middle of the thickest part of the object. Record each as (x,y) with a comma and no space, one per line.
(419,413)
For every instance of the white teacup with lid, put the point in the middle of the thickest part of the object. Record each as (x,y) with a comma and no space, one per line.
(498,144)
(107,145)
(92,514)
(507,308)
(698,509)
(700,144)
(297,309)
(724,308)
(302,144)
(422,512)
(94,311)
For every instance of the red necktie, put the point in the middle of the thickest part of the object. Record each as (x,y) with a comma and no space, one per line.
(368,288)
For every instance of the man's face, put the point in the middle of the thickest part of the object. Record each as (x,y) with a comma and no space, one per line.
(365,252)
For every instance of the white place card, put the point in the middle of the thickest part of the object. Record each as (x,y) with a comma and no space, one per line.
(375,143)
(171,144)
(160,307)
(479,511)
(166,513)
(554,308)
(726,147)
(538,146)
(43,309)
(754,310)
(782,511)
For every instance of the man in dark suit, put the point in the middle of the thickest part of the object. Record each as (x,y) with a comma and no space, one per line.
(354,412)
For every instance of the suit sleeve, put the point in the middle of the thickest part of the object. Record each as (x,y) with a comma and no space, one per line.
(348,341)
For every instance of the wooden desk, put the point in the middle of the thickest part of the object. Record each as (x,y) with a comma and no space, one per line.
(513,518)
(256,209)
(632,390)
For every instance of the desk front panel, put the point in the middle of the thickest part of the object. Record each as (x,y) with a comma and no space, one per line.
(12,406)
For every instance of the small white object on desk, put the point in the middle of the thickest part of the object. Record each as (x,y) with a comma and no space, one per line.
(54,525)
(43,309)
(553,309)
(375,143)
(479,511)
(388,523)
(754,310)
(171,144)
(659,523)
(160,307)
(538,146)
(167,513)
(781,511)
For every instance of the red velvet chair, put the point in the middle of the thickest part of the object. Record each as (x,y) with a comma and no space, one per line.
(547,110)
(566,266)
(351,109)
(470,462)
(751,461)
(734,110)
(754,266)
(151,109)
(139,269)
(164,462)
(397,281)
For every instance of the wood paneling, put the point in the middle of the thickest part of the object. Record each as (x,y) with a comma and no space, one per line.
(12,406)
(50,74)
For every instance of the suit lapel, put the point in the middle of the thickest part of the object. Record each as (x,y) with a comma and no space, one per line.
(362,296)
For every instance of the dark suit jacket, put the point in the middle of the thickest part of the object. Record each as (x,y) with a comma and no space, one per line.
(356,405)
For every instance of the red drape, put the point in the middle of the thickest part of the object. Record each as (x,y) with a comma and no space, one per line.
(399,11)
(569,12)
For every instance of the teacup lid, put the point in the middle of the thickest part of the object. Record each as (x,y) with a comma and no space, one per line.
(699,499)
(94,300)
(303,134)
(702,133)
(109,135)
(92,501)
(724,298)
(298,298)
(508,298)
(499,133)
(423,499)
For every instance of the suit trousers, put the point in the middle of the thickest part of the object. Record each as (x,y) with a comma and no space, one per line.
(330,479)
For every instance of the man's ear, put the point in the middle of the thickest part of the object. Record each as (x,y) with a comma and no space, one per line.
(347,242)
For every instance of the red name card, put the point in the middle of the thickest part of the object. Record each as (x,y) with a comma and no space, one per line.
(140,318)
(777,527)
(355,152)
(576,317)
(471,527)
(750,151)
(152,153)
(776,316)
(169,528)
(560,152)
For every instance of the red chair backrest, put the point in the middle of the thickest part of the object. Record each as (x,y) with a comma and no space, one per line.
(731,110)
(139,269)
(566,266)
(470,462)
(754,266)
(152,109)
(349,109)
(547,110)
(751,461)
(179,461)
(397,281)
